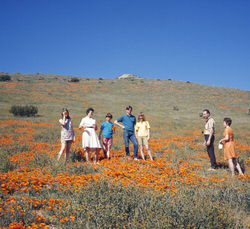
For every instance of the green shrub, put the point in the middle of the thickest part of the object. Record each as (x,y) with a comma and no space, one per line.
(5,78)
(74,80)
(27,110)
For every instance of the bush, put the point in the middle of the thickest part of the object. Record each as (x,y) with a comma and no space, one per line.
(27,110)
(5,78)
(74,80)
(175,108)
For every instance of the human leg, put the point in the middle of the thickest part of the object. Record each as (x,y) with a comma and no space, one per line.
(210,151)
(87,154)
(237,165)
(63,146)
(231,166)
(68,145)
(149,152)
(134,141)
(97,150)
(126,141)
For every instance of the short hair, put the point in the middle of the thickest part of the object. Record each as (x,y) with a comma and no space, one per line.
(129,107)
(206,111)
(89,109)
(228,121)
(141,115)
(109,115)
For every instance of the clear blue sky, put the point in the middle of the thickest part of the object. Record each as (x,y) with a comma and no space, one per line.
(202,41)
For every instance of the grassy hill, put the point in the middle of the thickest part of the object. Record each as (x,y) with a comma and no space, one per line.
(175,190)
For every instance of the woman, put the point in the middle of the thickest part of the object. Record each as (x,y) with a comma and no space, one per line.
(90,142)
(142,129)
(67,134)
(229,146)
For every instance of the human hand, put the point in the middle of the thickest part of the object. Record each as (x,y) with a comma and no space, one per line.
(208,143)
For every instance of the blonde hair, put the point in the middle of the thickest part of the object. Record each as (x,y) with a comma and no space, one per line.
(141,115)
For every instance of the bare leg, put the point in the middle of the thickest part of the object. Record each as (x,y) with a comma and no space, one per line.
(237,165)
(104,150)
(97,150)
(142,154)
(149,152)
(87,154)
(231,166)
(68,145)
(108,152)
(61,151)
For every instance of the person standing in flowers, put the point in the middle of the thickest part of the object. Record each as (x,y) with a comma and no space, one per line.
(107,131)
(90,141)
(229,147)
(142,130)
(128,120)
(67,134)
(209,132)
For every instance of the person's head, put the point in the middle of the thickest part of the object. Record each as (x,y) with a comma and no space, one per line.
(141,117)
(129,110)
(90,112)
(206,113)
(227,122)
(109,117)
(65,113)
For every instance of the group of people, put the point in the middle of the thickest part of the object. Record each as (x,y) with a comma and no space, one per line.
(139,134)
(227,143)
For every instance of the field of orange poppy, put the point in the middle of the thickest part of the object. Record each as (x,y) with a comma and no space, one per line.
(175,190)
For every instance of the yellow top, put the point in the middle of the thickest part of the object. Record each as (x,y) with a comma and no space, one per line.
(142,128)
(210,124)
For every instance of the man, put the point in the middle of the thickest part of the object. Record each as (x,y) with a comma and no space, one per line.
(128,123)
(209,138)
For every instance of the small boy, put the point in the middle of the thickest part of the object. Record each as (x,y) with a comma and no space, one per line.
(107,131)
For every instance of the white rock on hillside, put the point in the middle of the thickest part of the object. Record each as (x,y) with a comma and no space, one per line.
(128,76)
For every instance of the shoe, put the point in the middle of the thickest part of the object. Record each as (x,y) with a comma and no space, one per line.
(136,159)
(211,169)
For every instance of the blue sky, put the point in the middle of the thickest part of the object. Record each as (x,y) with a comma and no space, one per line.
(202,41)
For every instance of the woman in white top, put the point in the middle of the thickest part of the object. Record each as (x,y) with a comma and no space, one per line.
(90,141)
(67,134)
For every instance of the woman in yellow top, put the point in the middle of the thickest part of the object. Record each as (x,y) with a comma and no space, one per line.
(142,130)
(229,146)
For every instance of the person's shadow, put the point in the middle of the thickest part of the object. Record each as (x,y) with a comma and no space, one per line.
(224,165)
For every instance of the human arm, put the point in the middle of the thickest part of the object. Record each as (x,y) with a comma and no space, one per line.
(225,139)
(148,128)
(211,131)
(63,120)
(116,122)
(208,142)
(148,133)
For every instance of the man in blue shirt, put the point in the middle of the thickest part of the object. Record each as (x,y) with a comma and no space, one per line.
(128,120)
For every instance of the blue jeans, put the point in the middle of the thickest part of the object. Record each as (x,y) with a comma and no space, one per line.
(130,135)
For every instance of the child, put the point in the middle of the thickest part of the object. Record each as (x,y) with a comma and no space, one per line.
(142,129)
(107,131)
(67,134)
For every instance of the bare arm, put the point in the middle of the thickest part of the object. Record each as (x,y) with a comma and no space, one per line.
(223,140)
(62,121)
(148,134)
(118,124)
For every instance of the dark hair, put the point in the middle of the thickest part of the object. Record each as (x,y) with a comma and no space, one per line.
(63,110)
(129,107)
(206,111)
(109,115)
(88,110)
(228,121)
(141,115)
